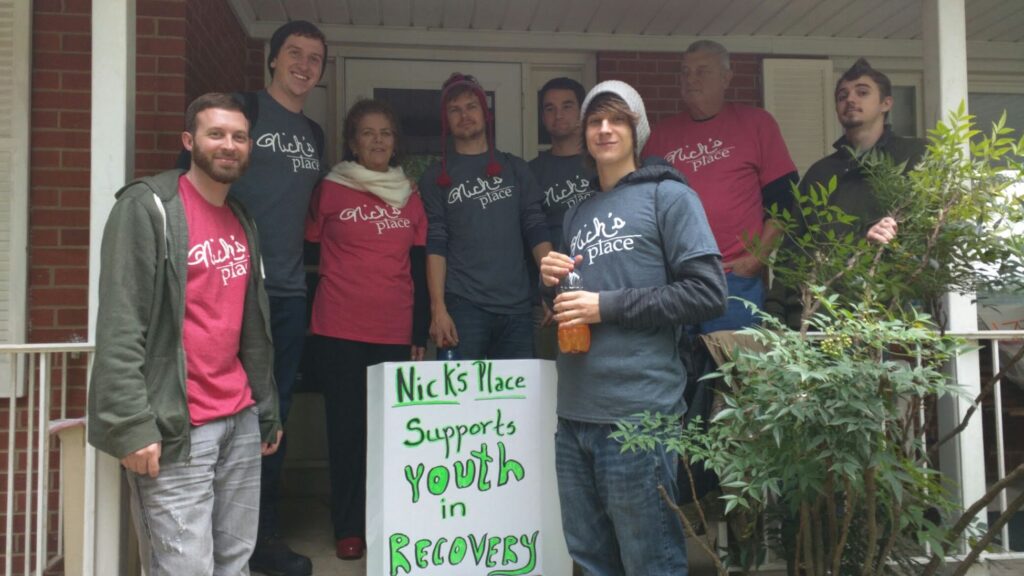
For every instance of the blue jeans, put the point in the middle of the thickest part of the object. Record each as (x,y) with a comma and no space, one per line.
(614,519)
(198,517)
(288,329)
(738,316)
(483,334)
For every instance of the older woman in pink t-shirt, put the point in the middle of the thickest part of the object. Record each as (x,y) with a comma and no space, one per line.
(371,302)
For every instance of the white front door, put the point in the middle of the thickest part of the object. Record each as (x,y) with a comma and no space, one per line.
(413,88)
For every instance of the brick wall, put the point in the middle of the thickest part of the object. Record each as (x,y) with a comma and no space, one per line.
(184,47)
(59,196)
(174,62)
(160,66)
(220,56)
(656,76)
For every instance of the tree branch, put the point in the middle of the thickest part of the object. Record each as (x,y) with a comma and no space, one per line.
(719,566)
(986,389)
(965,519)
(990,535)
(851,502)
(871,538)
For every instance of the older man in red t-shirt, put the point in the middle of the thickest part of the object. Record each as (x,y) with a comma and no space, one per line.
(734,157)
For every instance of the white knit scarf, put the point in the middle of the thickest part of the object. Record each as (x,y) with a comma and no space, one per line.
(391,186)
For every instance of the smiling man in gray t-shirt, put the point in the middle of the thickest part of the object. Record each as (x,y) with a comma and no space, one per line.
(286,164)
(564,181)
(648,264)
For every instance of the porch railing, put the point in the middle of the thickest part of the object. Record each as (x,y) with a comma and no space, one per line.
(50,381)
(47,384)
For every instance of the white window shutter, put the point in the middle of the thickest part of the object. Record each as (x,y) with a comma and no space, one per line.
(798,93)
(15,62)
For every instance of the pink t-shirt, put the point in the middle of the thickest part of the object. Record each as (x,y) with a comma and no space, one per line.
(728,160)
(218,276)
(365,292)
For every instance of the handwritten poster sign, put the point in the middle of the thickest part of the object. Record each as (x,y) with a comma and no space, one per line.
(461,469)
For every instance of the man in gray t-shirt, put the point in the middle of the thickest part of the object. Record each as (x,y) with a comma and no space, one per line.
(285,167)
(481,204)
(564,181)
(648,264)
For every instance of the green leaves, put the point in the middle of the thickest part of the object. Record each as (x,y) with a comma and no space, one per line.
(827,419)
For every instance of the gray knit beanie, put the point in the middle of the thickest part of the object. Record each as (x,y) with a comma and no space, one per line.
(632,100)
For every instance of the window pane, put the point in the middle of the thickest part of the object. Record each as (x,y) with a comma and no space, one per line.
(903,116)
(987,108)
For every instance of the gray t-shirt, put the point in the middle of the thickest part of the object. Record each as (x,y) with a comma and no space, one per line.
(479,224)
(283,169)
(565,182)
(637,235)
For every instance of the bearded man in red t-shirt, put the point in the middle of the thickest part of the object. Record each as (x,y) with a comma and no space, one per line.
(735,159)
(182,389)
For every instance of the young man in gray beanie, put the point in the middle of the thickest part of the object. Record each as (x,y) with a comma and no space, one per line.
(649,265)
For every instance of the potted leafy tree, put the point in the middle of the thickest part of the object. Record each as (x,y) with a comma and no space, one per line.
(825,439)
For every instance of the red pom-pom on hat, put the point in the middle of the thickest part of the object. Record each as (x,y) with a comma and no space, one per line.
(493,168)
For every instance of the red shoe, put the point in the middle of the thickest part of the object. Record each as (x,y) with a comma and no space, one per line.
(350,548)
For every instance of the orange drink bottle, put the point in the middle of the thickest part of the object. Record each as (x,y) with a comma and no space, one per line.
(573,339)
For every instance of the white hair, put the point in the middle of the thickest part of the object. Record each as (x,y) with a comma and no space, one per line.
(711,47)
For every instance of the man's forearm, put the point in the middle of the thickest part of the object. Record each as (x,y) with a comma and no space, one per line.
(540,251)
(437,270)
(770,237)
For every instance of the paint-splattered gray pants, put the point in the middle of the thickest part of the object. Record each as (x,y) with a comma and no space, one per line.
(199,517)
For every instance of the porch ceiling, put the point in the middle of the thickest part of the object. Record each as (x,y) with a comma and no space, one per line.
(895,20)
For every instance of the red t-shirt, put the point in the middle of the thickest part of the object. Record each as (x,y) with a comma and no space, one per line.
(728,159)
(218,276)
(365,291)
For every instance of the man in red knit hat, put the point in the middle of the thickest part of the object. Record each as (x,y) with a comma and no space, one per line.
(481,204)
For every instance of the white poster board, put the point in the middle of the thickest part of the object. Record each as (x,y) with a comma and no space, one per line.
(461,469)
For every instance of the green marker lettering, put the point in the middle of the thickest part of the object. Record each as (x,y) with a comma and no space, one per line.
(437,480)
(414,480)
(482,484)
(508,466)
(530,543)
(458,551)
(398,541)
(438,559)
(492,549)
(478,547)
(421,552)
(464,472)
(509,557)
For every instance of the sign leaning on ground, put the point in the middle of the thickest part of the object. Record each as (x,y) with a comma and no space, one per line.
(461,469)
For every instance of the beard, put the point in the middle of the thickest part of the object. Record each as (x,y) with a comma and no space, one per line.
(849,123)
(221,174)
(470,132)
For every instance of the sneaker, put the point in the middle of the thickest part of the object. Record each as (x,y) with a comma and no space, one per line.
(350,548)
(274,558)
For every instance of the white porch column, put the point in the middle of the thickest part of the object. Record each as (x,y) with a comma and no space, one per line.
(945,76)
(112,163)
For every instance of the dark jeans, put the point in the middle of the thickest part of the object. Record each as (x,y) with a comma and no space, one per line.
(340,369)
(738,316)
(484,334)
(288,329)
(613,517)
